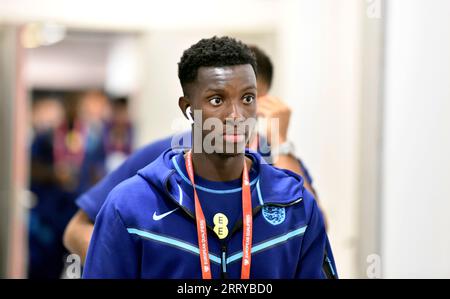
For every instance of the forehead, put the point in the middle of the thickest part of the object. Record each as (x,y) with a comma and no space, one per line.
(224,76)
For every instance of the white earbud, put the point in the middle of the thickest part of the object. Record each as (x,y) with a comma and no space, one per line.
(189,115)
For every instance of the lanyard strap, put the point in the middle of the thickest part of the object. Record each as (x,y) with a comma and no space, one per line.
(247,220)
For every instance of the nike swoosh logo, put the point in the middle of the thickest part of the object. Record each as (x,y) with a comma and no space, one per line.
(159,217)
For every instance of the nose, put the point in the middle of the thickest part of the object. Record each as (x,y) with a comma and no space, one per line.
(236,113)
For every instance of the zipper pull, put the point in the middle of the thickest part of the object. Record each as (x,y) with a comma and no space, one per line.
(223,252)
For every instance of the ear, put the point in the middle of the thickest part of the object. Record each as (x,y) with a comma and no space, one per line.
(183,103)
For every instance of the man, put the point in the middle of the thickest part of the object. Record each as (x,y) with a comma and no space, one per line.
(270,107)
(220,213)
(79,230)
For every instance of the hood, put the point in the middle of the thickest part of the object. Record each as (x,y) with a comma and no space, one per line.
(274,186)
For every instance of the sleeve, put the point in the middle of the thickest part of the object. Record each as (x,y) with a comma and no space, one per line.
(113,253)
(92,200)
(316,258)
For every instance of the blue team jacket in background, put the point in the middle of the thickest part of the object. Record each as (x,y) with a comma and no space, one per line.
(289,238)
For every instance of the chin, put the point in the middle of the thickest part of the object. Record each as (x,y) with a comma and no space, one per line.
(228,155)
(233,149)
(231,154)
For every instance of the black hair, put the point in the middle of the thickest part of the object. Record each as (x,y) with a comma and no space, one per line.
(215,52)
(265,66)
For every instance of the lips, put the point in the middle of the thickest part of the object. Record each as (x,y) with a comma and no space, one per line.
(233,131)
(234,135)
(234,138)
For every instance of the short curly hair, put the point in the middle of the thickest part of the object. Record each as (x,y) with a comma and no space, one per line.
(215,52)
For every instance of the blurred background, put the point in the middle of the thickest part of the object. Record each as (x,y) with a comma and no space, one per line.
(84,83)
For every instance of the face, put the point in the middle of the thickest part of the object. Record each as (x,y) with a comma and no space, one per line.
(94,107)
(225,96)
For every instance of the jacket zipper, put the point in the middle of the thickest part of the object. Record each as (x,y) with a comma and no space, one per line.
(223,252)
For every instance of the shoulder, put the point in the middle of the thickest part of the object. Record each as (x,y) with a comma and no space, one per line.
(284,187)
(309,205)
(142,157)
(130,198)
(151,151)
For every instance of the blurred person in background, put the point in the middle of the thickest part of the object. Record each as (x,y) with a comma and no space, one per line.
(270,107)
(53,187)
(118,137)
(67,157)
(79,231)
(94,114)
(47,114)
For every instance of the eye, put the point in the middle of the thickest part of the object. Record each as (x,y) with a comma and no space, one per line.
(248,99)
(216,101)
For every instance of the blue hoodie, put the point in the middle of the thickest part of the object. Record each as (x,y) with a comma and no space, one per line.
(289,238)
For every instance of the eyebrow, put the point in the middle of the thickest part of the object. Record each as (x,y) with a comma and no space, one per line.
(218,89)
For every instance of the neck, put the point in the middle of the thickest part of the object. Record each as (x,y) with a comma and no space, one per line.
(219,168)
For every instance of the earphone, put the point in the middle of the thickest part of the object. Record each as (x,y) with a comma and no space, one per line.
(189,115)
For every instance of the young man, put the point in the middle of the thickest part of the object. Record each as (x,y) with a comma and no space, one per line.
(79,231)
(206,214)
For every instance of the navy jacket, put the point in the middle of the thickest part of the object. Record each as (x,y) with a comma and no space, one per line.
(289,238)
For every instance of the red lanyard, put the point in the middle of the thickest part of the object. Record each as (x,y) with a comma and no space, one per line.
(247,221)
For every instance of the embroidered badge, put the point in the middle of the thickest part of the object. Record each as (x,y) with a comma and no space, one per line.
(274,215)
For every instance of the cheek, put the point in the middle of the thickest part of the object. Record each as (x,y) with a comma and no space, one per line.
(250,110)
(211,112)
(211,118)
(207,112)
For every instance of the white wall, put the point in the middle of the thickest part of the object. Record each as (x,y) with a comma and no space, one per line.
(416,164)
(78,62)
(121,66)
(144,14)
(320,78)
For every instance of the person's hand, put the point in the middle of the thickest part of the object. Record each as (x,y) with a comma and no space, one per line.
(270,107)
